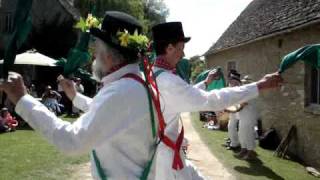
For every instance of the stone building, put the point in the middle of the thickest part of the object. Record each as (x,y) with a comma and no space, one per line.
(255,43)
(52,26)
(52,34)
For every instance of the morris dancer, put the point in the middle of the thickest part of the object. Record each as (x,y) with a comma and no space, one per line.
(177,96)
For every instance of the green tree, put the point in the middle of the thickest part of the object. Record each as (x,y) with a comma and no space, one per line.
(197,66)
(149,12)
(155,11)
(133,7)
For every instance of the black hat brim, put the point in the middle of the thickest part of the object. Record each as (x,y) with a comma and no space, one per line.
(186,39)
(97,33)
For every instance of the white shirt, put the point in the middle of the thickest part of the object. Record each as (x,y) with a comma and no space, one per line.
(116,123)
(177,96)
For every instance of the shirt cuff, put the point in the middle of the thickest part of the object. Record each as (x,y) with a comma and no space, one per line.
(25,105)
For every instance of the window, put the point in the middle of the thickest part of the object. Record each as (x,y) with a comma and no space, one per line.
(231,65)
(8,23)
(0,3)
(315,86)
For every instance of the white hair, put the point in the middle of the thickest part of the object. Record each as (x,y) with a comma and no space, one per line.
(107,50)
(98,68)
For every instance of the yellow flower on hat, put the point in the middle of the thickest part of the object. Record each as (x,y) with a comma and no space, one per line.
(124,38)
(92,21)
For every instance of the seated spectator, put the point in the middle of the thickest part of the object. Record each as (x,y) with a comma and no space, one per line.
(9,120)
(212,122)
(50,99)
(3,126)
(32,91)
(184,146)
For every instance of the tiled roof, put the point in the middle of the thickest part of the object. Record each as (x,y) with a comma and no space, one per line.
(266,17)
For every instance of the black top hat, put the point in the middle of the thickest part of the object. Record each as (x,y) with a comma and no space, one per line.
(169,32)
(234,75)
(113,22)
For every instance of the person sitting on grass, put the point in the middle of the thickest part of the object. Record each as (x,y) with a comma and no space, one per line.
(212,123)
(3,126)
(50,99)
(9,120)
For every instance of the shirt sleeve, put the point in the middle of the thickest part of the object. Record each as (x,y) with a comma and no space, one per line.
(89,130)
(200,85)
(182,97)
(82,102)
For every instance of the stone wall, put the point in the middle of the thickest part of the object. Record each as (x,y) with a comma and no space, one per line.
(288,106)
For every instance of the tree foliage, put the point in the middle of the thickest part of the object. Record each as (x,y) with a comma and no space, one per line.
(149,12)
(197,67)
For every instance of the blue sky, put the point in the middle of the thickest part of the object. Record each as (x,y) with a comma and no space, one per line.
(204,20)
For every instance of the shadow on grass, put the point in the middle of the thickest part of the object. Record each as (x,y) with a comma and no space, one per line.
(257,168)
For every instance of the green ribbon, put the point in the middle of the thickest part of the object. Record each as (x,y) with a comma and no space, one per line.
(184,70)
(21,29)
(77,57)
(216,84)
(309,54)
(101,173)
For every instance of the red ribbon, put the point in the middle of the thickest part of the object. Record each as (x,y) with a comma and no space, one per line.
(155,94)
(154,91)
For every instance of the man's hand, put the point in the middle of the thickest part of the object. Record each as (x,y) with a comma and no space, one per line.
(213,75)
(14,87)
(68,87)
(270,81)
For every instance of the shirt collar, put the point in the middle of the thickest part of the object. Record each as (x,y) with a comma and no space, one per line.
(161,63)
(130,68)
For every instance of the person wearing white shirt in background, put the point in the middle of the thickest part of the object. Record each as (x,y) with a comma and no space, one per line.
(116,125)
(248,120)
(177,96)
(79,86)
(233,81)
(80,89)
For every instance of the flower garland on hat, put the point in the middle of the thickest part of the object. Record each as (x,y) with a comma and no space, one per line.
(137,42)
(133,41)
(90,22)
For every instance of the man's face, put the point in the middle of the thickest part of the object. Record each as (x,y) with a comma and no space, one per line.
(234,83)
(175,52)
(103,60)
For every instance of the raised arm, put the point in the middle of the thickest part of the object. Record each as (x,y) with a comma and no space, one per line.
(181,97)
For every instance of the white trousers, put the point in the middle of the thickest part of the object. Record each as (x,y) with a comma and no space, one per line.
(247,133)
(232,130)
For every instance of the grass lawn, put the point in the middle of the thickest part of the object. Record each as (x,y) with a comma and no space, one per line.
(24,154)
(268,167)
